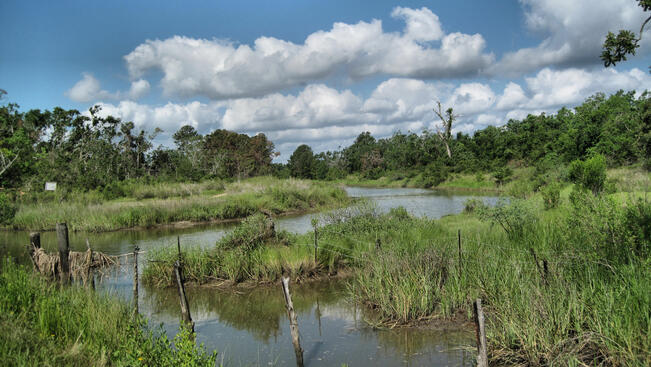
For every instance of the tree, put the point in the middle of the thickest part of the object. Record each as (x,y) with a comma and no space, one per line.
(615,48)
(446,134)
(301,163)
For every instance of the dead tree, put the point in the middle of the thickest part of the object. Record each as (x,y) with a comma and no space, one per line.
(448,119)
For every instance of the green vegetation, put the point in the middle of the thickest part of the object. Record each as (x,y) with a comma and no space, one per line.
(567,283)
(47,325)
(169,203)
(615,127)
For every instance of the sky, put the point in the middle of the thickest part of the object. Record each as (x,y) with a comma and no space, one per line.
(314,72)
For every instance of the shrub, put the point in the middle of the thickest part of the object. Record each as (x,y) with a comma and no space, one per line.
(611,232)
(7,209)
(591,173)
(515,218)
(113,191)
(472,205)
(502,175)
(434,174)
(551,195)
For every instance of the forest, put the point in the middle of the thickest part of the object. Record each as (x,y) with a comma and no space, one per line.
(95,153)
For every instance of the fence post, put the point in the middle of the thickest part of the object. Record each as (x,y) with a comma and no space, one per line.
(135,279)
(185,307)
(315,224)
(90,276)
(293,323)
(64,251)
(460,258)
(482,349)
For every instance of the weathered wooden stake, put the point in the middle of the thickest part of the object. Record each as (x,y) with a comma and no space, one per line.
(34,244)
(460,258)
(316,244)
(135,279)
(543,273)
(64,251)
(293,324)
(178,246)
(185,307)
(90,275)
(482,349)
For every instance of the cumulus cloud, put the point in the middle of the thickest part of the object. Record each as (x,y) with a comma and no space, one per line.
(572,31)
(89,89)
(555,88)
(169,117)
(220,70)
(326,118)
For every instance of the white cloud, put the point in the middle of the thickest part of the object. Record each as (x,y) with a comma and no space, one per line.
(86,90)
(89,89)
(220,70)
(422,24)
(471,98)
(573,32)
(512,97)
(327,118)
(139,89)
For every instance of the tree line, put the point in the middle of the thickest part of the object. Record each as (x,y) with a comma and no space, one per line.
(618,127)
(91,152)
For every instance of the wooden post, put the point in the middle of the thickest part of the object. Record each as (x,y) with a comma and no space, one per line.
(316,245)
(460,258)
(64,251)
(542,272)
(90,276)
(482,349)
(178,246)
(293,324)
(185,307)
(135,279)
(34,244)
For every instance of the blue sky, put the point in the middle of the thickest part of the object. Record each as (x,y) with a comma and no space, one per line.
(313,72)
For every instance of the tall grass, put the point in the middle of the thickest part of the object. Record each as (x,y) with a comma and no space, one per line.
(592,306)
(237,201)
(44,324)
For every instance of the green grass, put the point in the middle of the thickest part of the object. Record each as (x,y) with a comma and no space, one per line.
(46,325)
(591,307)
(238,200)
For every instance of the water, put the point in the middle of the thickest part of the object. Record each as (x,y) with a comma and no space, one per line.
(250,326)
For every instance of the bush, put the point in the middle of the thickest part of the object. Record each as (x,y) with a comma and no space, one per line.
(502,175)
(434,174)
(612,232)
(515,218)
(113,191)
(590,174)
(472,205)
(7,209)
(551,195)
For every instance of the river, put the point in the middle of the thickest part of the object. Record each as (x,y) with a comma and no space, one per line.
(250,326)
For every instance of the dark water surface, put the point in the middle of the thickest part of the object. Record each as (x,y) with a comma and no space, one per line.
(250,327)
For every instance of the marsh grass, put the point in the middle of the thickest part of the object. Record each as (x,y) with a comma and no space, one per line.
(239,200)
(48,325)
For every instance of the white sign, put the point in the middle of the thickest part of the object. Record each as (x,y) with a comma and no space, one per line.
(50,186)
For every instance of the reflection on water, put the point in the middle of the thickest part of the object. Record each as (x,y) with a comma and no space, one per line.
(250,326)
